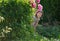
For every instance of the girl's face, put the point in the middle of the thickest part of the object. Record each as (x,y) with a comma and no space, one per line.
(39,14)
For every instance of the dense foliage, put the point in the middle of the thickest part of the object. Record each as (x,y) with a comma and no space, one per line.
(51,12)
(17,17)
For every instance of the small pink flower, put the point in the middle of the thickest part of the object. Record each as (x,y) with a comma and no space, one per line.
(40,7)
(38,1)
(33,5)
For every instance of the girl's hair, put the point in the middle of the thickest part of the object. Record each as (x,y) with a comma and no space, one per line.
(38,12)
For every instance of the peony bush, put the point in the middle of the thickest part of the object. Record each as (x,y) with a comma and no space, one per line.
(15,20)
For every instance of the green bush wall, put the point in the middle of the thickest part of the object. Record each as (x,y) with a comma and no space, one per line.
(18,16)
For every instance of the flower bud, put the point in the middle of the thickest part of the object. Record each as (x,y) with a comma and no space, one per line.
(33,5)
(40,7)
(38,1)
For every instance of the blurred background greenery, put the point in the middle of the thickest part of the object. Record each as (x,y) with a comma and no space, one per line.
(51,12)
(49,25)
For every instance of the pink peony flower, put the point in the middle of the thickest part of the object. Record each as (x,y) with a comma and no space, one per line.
(38,1)
(33,5)
(40,7)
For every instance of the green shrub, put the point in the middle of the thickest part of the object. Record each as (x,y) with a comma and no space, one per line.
(17,15)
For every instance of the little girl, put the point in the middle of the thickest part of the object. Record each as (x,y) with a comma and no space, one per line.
(38,13)
(37,18)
